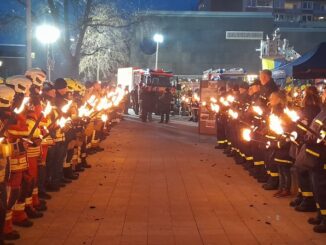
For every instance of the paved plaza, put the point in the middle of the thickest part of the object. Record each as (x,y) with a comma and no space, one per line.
(161,184)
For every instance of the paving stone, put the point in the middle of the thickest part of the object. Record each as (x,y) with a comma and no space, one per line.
(156,191)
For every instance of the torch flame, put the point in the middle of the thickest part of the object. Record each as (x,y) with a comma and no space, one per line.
(92,100)
(104,117)
(230,98)
(293,115)
(196,97)
(246,134)
(293,136)
(321,137)
(1,139)
(275,124)
(63,121)
(66,107)
(22,106)
(215,108)
(213,100)
(224,102)
(47,109)
(233,114)
(204,103)
(257,110)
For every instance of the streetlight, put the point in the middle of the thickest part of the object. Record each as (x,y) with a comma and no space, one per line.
(48,34)
(158,38)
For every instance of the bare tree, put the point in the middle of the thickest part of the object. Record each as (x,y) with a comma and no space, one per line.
(106,43)
(98,32)
(78,19)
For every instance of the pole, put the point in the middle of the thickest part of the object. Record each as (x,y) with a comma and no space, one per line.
(49,62)
(156,59)
(28,34)
(98,67)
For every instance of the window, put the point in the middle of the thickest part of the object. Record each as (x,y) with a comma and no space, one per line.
(307,5)
(306,18)
(264,3)
(278,4)
(252,3)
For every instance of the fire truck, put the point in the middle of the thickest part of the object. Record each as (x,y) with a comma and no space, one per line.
(136,79)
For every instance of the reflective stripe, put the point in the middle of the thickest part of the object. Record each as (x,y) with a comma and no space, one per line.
(270,137)
(222,141)
(299,190)
(19,163)
(274,174)
(317,205)
(28,200)
(307,194)
(9,215)
(249,158)
(66,164)
(311,152)
(301,127)
(59,139)
(323,211)
(259,163)
(279,144)
(2,175)
(33,151)
(19,207)
(319,122)
(325,166)
(229,143)
(282,161)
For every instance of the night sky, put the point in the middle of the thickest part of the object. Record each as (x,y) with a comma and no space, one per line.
(168,4)
(18,35)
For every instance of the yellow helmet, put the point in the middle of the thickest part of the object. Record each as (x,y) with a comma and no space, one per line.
(81,86)
(37,75)
(6,95)
(19,83)
(74,86)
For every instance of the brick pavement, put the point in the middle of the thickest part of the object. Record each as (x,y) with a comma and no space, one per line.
(164,184)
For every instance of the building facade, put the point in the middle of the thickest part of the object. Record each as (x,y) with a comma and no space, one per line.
(200,40)
(291,11)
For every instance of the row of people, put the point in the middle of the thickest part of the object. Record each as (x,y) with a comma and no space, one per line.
(277,138)
(47,130)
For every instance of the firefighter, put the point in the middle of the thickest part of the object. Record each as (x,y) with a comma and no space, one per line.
(56,156)
(304,202)
(19,177)
(312,156)
(34,114)
(6,98)
(220,124)
(45,170)
(240,145)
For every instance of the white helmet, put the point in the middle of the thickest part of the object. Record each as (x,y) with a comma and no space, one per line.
(19,83)
(6,96)
(37,75)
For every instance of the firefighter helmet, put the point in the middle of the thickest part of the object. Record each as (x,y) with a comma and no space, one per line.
(20,84)
(74,86)
(37,75)
(6,96)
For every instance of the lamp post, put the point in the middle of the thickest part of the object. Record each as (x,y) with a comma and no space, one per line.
(48,34)
(158,38)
